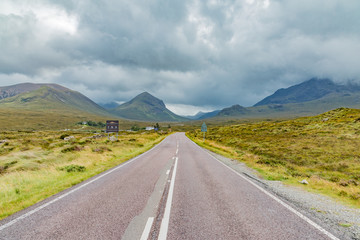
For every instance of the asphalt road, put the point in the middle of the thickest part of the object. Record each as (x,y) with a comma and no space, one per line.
(174,191)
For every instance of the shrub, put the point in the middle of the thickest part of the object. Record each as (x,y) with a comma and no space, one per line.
(72,149)
(101,149)
(73,168)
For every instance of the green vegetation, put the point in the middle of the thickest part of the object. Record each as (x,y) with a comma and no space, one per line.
(323,149)
(92,123)
(146,107)
(346,225)
(36,165)
(48,97)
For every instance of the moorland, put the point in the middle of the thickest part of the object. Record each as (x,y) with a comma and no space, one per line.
(323,150)
(37,164)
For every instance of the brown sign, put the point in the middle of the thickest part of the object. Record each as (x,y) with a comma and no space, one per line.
(112,126)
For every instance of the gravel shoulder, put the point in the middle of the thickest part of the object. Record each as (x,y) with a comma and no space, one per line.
(342,220)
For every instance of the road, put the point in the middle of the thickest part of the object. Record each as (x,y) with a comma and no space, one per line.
(174,191)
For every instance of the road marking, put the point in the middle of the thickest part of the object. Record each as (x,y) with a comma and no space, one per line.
(177,150)
(167,172)
(306,219)
(72,191)
(147,229)
(165,221)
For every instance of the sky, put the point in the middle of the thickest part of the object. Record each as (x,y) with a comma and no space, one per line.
(195,55)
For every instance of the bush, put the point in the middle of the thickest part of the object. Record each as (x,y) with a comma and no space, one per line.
(73,168)
(72,149)
(101,149)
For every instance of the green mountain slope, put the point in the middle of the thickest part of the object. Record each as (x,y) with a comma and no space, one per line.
(235,110)
(52,97)
(311,97)
(146,107)
(290,110)
(310,90)
(13,90)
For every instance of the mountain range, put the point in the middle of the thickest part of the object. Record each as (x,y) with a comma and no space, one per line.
(308,98)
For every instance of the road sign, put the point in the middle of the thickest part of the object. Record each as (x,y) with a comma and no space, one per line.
(112,126)
(204,127)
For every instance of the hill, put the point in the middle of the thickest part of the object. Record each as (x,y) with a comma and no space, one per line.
(310,90)
(235,110)
(13,90)
(45,106)
(52,97)
(203,115)
(146,107)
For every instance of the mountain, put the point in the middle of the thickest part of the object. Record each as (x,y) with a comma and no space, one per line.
(209,114)
(233,111)
(46,107)
(47,97)
(146,107)
(310,90)
(109,105)
(308,98)
(203,115)
(13,90)
(196,116)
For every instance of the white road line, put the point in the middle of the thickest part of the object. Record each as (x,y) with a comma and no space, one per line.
(306,219)
(147,229)
(72,191)
(167,172)
(165,221)
(177,150)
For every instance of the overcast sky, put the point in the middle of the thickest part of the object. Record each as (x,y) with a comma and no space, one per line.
(194,55)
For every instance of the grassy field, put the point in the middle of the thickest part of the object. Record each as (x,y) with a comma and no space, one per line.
(323,149)
(36,165)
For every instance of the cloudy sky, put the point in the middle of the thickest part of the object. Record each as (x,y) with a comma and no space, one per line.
(193,54)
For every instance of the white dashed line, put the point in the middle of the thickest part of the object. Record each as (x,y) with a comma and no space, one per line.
(146,232)
(165,221)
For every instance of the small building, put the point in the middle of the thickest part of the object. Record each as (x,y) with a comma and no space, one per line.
(149,128)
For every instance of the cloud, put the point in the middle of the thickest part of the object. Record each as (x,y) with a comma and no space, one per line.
(204,54)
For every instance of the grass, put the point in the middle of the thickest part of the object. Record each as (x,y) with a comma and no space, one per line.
(36,165)
(323,149)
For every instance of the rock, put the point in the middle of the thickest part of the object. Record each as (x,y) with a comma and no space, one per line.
(304,182)
(68,138)
(325,119)
(113,138)
(4,141)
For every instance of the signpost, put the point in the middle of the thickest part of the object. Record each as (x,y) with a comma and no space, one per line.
(112,126)
(204,129)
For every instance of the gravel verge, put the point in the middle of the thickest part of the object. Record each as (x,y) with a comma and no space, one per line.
(341,220)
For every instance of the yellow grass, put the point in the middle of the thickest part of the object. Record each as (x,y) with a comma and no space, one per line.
(323,149)
(34,165)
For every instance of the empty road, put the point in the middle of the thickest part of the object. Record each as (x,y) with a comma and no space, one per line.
(174,191)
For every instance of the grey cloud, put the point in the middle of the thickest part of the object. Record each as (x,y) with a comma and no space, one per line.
(200,53)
